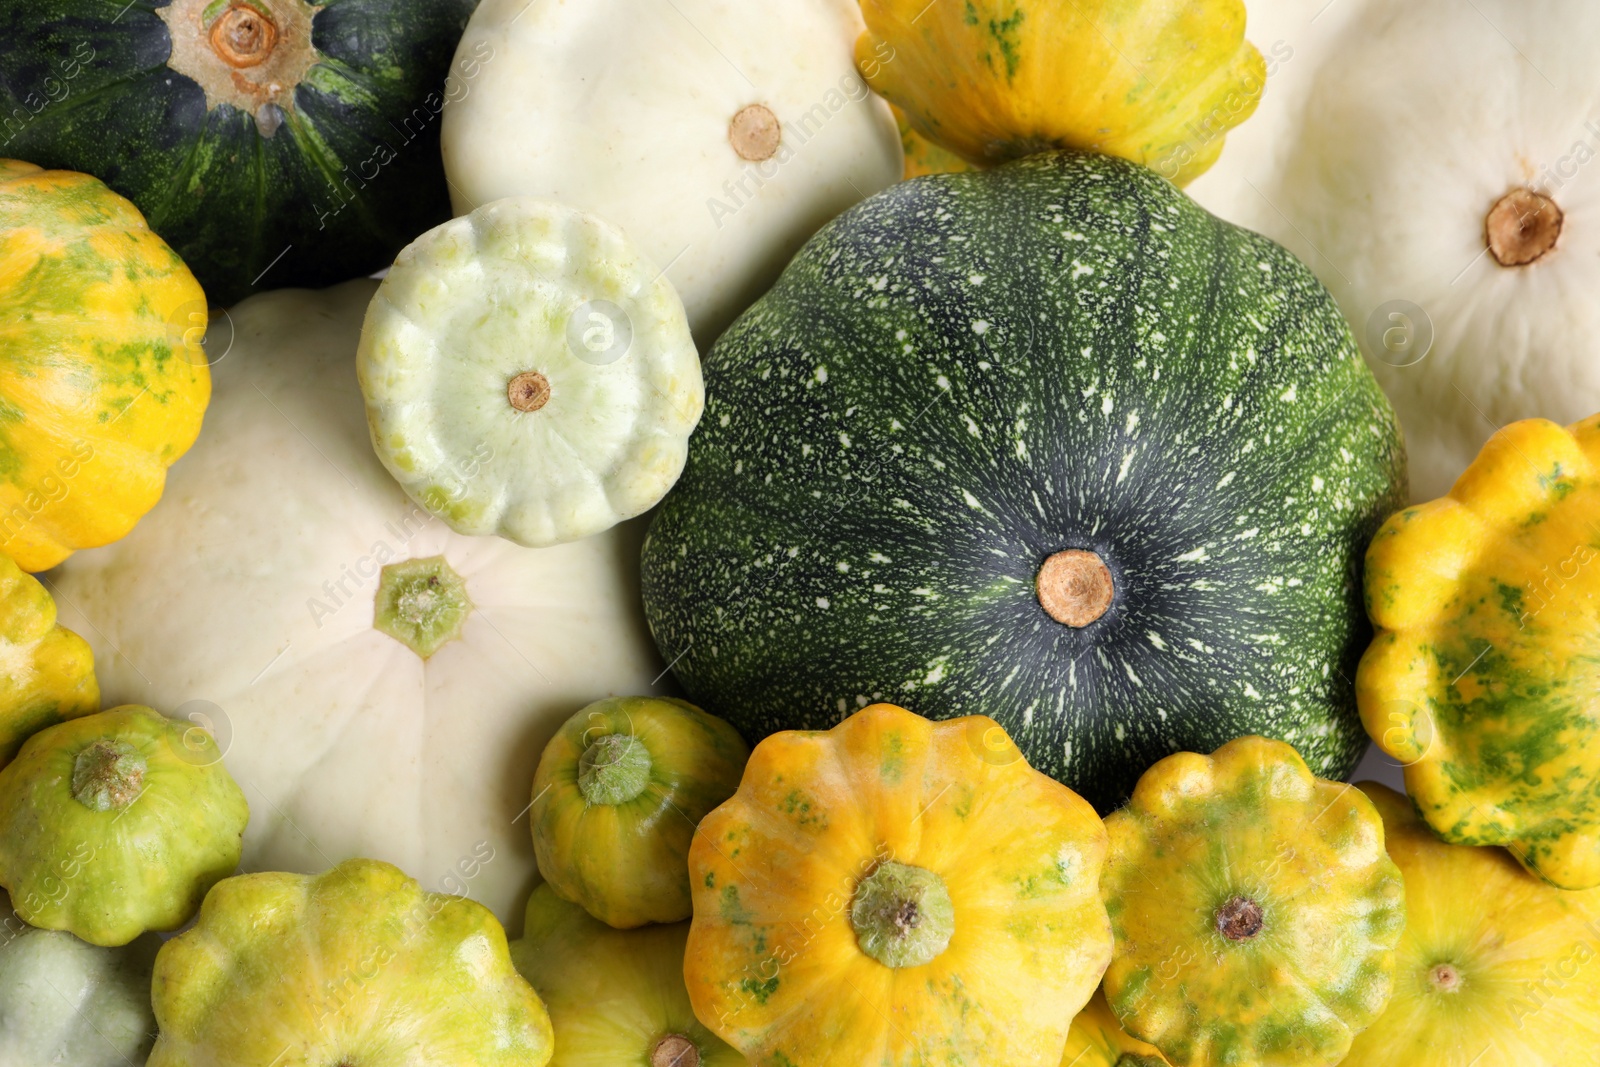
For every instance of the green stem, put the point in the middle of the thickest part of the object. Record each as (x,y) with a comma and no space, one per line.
(613,770)
(108,775)
(902,915)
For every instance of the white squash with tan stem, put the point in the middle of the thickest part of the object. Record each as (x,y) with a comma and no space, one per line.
(718,134)
(381,686)
(1445,182)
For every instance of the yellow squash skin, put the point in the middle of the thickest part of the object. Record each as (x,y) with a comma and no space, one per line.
(1159,82)
(625,859)
(922,155)
(357,965)
(774,964)
(103,380)
(1481,675)
(1098,1040)
(615,997)
(1207,837)
(1496,968)
(46,671)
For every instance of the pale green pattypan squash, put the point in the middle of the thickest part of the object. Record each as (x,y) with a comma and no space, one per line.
(65,1003)
(357,966)
(117,823)
(529,374)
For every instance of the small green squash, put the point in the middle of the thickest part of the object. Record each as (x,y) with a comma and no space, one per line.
(46,671)
(271,142)
(614,996)
(618,794)
(66,1002)
(1048,443)
(1256,913)
(117,823)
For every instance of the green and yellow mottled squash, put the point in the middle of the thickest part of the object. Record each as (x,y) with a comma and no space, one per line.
(46,671)
(1256,913)
(614,996)
(1159,82)
(619,791)
(1482,674)
(897,892)
(1495,969)
(103,380)
(117,823)
(357,966)
(922,155)
(1097,1039)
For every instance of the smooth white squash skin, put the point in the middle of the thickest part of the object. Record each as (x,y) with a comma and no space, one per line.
(251,586)
(63,1001)
(1422,117)
(622,107)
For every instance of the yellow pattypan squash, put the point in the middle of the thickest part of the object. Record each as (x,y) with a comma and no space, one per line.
(896,892)
(1159,82)
(1496,968)
(1097,1039)
(922,155)
(1482,675)
(46,671)
(1255,910)
(103,380)
(355,966)
(618,793)
(614,996)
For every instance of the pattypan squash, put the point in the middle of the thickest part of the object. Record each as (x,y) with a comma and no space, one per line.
(528,373)
(1256,913)
(614,996)
(117,823)
(616,799)
(46,671)
(1481,676)
(898,892)
(717,134)
(1495,969)
(103,379)
(382,685)
(63,1001)
(1097,1039)
(355,966)
(1159,82)
(922,155)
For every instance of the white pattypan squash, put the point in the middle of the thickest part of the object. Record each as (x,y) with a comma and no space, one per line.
(67,1003)
(529,374)
(1444,184)
(718,134)
(380,686)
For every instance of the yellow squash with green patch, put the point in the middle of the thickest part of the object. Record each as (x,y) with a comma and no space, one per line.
(1097,1039)
(46,671)
(1159,82)
(897,892)
(1496,968)
(1256,913)
(1481,676)
(103,380)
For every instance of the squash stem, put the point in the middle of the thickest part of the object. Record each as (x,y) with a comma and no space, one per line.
(422,603)
(1240,919)
(613,769)
(675,1050)
(1075,587)
(902,915)
(108,775)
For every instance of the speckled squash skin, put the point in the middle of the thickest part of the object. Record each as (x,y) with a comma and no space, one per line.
(969,373)
(1496,968)
(144,857)
(357,965)
(1159,83)
(1097,1039)
(1255,910)
(103,381)
(614,996)
(1481,675)
(776,963)
(46,671)
(626,860)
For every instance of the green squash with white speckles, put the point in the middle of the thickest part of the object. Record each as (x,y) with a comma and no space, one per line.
(1048,443)
(270,142)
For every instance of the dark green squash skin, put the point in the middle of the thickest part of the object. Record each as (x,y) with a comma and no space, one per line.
(350,177)
(875,483)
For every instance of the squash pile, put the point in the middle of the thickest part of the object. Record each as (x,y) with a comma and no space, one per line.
(831,558)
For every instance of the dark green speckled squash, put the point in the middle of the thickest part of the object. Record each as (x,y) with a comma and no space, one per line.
(1047,443)
(270,142)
